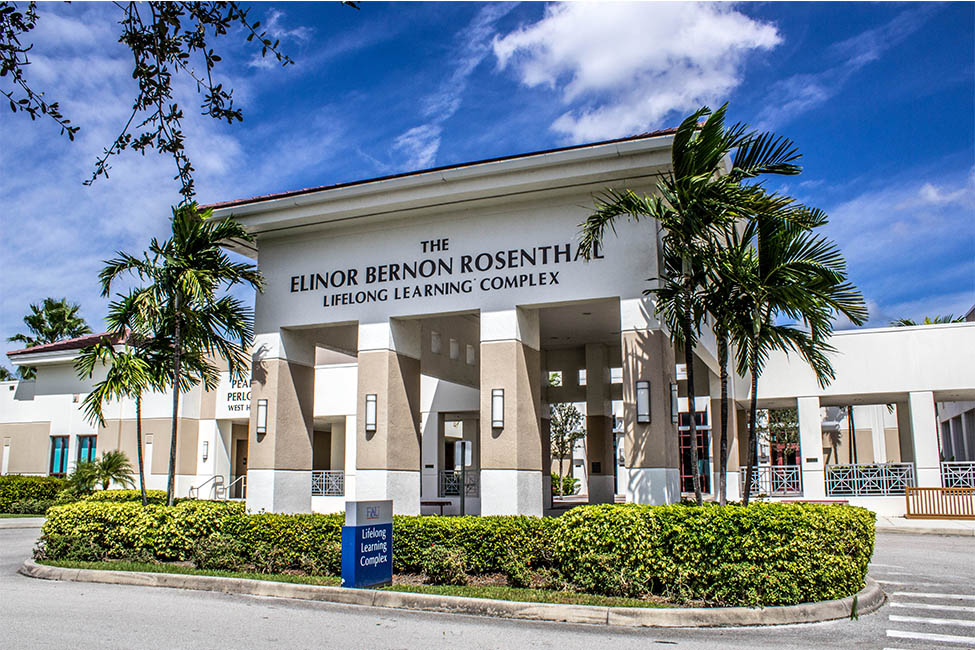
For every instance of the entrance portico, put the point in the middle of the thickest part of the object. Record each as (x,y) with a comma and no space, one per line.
(461,283)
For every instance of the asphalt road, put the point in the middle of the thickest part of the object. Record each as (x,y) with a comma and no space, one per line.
(930,581)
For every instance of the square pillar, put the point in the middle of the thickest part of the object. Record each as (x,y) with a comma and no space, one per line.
(599,426)
(652,463)
(734,481)
(512,454)
(388,458)
(811,448)
(924,436)
(279,460)
(904,440)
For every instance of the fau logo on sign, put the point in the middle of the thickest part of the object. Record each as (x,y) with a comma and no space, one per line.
(372,512)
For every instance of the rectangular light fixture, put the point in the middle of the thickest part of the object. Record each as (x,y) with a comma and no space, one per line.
(497,408)
(262,416)
(643,402)
(206,450)
(370,413)
(674,408)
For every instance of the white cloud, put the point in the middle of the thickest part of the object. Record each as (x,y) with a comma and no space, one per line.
(420,144)
(803,92)
(910,245)
(622,68)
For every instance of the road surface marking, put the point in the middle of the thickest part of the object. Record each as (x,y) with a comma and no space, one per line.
(924,636)
(888,566)
(947,608)
(915,584)
(918,594)
(931,621)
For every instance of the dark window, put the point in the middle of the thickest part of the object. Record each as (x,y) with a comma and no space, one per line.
(59,455)
(86,448)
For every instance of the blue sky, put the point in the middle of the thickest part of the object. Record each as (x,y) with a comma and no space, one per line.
(880,98)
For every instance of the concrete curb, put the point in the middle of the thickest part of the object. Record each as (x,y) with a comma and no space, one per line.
(903,530)
(870,598)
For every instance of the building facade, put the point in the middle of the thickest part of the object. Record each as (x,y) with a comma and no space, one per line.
(407,333)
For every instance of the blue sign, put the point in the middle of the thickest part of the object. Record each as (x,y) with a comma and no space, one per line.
(367,544)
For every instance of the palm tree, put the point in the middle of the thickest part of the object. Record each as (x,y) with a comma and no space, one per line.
(178,308)
(937,320)
(128,376)
(82,480)
(113,466)
(6,375)
(695,202)
(792,274)
(51,321)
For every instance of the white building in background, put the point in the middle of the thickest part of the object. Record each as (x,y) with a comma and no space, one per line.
(404,339)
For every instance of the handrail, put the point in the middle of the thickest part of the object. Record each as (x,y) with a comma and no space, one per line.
(216,479)
(242,479)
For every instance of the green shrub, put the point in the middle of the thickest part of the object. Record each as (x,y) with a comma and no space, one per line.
(78,548)
(156,497)
(564,485)
(445,565)
(485,540)
(220,552)
(14,487)
(763,554)
(31,506)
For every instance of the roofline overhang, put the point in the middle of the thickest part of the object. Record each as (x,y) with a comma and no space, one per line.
(398,197)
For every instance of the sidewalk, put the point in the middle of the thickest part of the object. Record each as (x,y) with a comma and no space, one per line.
(21,522)
(964,527)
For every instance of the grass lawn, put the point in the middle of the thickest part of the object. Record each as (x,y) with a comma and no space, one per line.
(496,592)
(7,515)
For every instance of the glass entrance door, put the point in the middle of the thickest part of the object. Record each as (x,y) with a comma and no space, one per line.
(703,451)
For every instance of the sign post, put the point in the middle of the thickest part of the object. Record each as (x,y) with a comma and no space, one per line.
(367,544)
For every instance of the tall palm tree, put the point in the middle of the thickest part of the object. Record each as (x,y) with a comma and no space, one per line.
(694,202)
(128,376)
(794,275)
(51,321)
(178,307)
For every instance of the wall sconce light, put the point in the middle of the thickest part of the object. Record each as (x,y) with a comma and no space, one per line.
(497,408)
(206,450)
(674,408)
(370,413)
(643,402)
(262,416)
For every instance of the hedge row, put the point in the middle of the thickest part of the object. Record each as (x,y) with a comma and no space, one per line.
(14,487)
(763,554)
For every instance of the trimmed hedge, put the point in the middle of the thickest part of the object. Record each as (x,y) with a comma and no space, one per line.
(15,487)
(763,554)
(156,497)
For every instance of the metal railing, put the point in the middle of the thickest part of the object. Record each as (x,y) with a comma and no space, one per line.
(774,480)
(237,489)
(958,474)
(216,487)
(450,481)
(869,480)
(940,503)
(328,483)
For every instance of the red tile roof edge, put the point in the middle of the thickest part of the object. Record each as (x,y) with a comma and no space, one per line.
(69,344)
(309,190)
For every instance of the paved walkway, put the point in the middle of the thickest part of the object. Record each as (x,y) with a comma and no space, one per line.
(965,527)
(21,522)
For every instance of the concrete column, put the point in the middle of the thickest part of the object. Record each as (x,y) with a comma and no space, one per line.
(512,456)
(924,435)
(811,448)
(904,435)
(734,482)
(651,453)
(388,459)
(279,461)
(599,425)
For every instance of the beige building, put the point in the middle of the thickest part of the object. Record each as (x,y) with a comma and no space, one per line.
(407,332)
